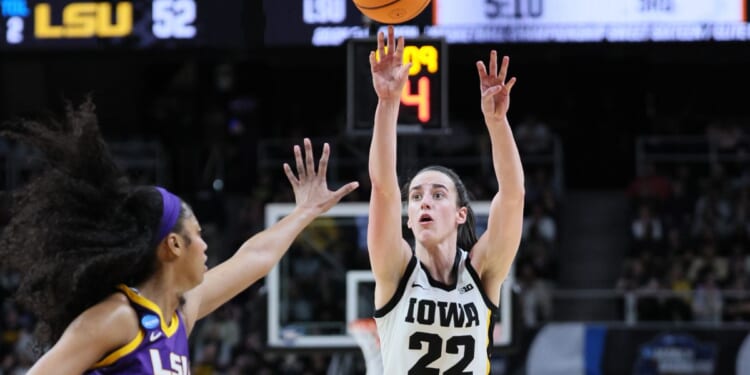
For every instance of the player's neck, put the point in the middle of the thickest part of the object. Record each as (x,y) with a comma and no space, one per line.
(162,295)
(439,261)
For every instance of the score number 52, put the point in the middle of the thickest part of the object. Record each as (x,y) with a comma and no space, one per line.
(174,19)
(421,57)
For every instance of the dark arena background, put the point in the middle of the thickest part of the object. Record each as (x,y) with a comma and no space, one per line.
(631,116)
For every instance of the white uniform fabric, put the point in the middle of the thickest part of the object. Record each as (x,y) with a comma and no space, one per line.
(431,328)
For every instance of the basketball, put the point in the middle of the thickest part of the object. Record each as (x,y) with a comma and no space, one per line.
(391,11)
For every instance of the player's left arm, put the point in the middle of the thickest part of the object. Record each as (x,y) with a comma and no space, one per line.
(259,254)
(493,254)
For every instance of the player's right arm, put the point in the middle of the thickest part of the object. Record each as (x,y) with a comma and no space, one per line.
(389,253)
(98,331)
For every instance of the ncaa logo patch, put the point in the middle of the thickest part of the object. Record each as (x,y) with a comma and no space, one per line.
(150,321)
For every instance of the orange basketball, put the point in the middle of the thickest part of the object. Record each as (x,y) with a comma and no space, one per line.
(391,11)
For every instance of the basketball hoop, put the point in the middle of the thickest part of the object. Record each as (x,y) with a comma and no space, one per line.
(365,333)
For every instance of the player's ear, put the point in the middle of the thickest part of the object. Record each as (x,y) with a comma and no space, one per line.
(170,247)
(461,215)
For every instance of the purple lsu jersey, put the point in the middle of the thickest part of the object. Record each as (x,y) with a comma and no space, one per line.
(160,347)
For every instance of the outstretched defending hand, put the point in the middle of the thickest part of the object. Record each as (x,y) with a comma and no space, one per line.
(310,187)
(389,74)
(495,91)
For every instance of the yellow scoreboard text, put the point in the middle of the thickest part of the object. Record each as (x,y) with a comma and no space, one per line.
(84,20)
(421,57)
(425,57)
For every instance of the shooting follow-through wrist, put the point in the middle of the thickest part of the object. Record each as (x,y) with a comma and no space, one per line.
(391,101)
(493,120)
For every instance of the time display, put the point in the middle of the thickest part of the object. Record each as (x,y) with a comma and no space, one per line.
(332,22)
(424,98)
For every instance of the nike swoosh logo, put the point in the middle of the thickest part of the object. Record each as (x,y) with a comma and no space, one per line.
(155,335)
(415,285)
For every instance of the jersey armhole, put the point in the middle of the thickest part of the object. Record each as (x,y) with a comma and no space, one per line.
(381,312)
(126,349)
(480,286)
(121,352)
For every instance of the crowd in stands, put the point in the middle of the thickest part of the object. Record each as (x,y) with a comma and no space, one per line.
(689,257)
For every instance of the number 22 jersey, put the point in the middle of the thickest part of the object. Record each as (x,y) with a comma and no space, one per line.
(431,328)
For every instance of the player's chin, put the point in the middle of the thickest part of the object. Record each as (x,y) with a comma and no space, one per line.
(425,237)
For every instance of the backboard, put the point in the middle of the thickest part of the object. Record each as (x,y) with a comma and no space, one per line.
(324,281)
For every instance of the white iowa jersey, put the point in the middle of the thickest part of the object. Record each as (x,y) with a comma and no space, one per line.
(431,328)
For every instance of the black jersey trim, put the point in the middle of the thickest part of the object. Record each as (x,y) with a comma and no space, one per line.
(381,312)
(490,330)
(480,286)
(454,273)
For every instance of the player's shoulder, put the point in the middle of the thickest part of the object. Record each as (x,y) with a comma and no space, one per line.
(113,317)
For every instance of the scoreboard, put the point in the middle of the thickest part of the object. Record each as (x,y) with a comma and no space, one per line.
(144,24)
(424,100)
(332,22)
(128,24)
(590,20)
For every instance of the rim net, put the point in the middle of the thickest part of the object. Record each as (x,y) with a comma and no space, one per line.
(365,333)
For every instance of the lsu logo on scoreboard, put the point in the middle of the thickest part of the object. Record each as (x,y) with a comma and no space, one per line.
(84,20)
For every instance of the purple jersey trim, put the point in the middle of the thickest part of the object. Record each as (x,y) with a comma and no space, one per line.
(158,348)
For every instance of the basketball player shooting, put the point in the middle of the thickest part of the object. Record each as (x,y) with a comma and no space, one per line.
(443,294)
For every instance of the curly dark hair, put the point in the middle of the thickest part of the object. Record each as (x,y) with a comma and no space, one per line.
(78,228)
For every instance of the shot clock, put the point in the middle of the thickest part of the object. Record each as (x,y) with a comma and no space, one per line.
(424,99)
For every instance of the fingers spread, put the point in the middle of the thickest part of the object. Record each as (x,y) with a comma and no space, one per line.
(289,175)
(298,160)
(493,64)
(510,84)
(504,68)
(482,71)
(309,158)
(399,53)
(346,189)
(323,163)
(391,39)
(381,47)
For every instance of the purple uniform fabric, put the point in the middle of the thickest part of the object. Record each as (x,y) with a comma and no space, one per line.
(160,347)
